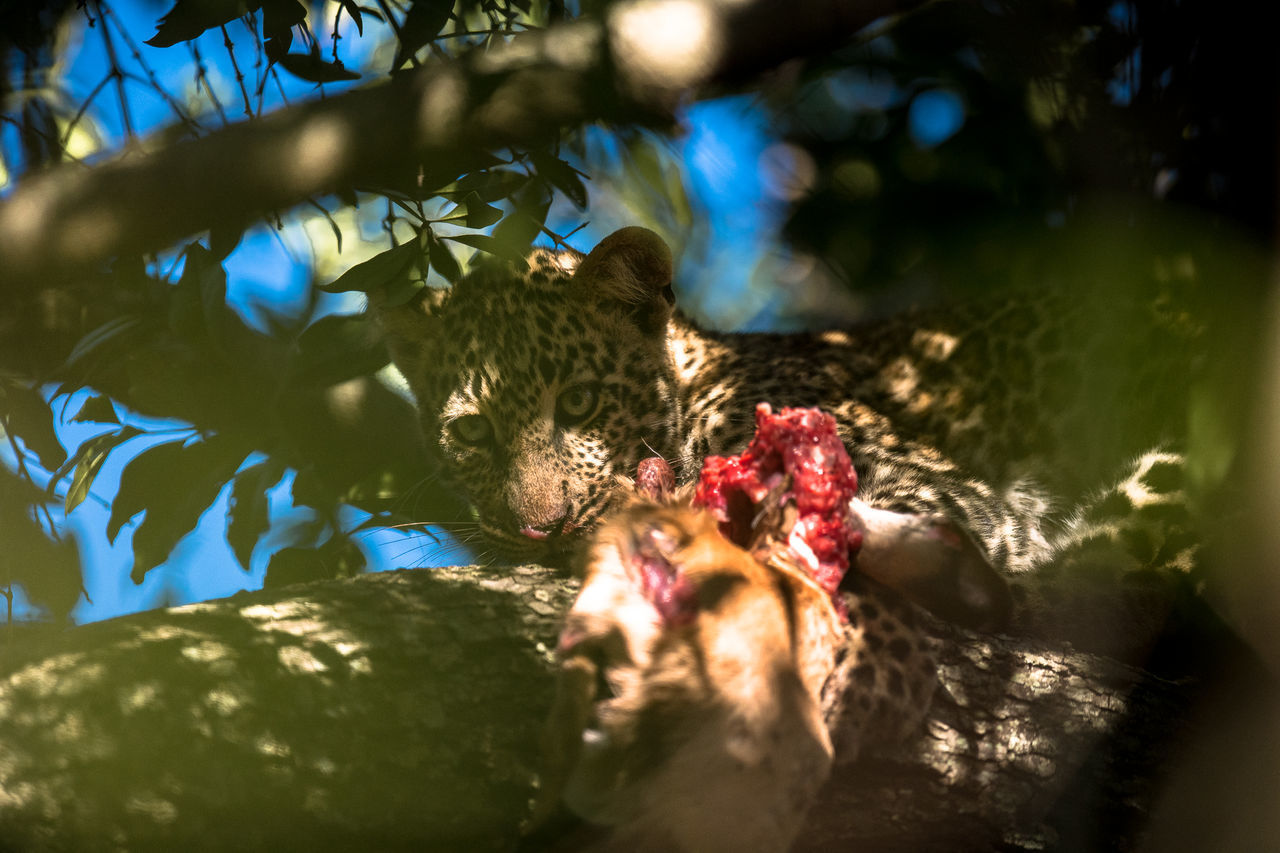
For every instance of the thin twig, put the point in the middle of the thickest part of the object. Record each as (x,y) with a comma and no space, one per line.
(231,54)
(336,36)
(152,80)
(202,80)
(118,73)
(84,107)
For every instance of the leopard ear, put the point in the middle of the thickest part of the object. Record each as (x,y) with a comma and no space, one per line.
(632,265)
(407,321)
(408,329)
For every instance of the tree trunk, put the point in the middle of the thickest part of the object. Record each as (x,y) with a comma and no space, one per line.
(402,710)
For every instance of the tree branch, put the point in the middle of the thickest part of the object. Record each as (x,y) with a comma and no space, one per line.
(402,710)
(628,69)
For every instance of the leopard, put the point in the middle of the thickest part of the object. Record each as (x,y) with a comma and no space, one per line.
(1026,443)
(541,384)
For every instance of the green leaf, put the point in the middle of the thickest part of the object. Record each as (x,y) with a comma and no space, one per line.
(310,490)
(311,67)
(98,410)
(489,184)
(175,484)
(353,9)
(294,565)
(223,238)
(186,298)
(278,20)
(422,23)
(336,348)
(146,474)
(24,413)
(491,245)
(442,259)
(385,269)
(89,461)
(100,336)
(479,214)
(48,570)
(248,511)
(562,176)
(337,558)
(189,18)
(520,227)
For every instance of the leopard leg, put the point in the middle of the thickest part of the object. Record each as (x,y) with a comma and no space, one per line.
(942,538)
(1122,565)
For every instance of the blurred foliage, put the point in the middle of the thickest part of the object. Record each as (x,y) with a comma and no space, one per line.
(1064,104)
(1151,105)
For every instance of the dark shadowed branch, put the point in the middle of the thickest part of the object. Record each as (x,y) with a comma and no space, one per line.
(625,69)
(402,710)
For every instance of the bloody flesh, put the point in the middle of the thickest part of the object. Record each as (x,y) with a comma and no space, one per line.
(797,450)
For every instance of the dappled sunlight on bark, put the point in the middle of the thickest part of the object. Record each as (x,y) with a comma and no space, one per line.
(356,712)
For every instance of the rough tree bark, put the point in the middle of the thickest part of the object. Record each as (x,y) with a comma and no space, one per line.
(402,711)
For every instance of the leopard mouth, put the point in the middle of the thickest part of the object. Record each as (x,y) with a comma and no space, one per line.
(552,542)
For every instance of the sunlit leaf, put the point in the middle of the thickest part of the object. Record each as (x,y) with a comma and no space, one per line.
(520,227)
(98,409)
(383,270)
(248,511)
(89,461)
(24,413)
(422,23)
(189,18)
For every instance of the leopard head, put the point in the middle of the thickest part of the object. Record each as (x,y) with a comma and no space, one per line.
(539,384)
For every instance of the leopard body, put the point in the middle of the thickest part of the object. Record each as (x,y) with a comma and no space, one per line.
(539,389)
(1046,433)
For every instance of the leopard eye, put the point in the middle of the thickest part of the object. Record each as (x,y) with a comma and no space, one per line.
(576,404)
(471,430)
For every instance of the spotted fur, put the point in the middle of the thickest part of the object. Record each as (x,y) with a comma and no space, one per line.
(540,387)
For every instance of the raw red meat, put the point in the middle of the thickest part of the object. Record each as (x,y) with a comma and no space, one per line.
(798,452)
